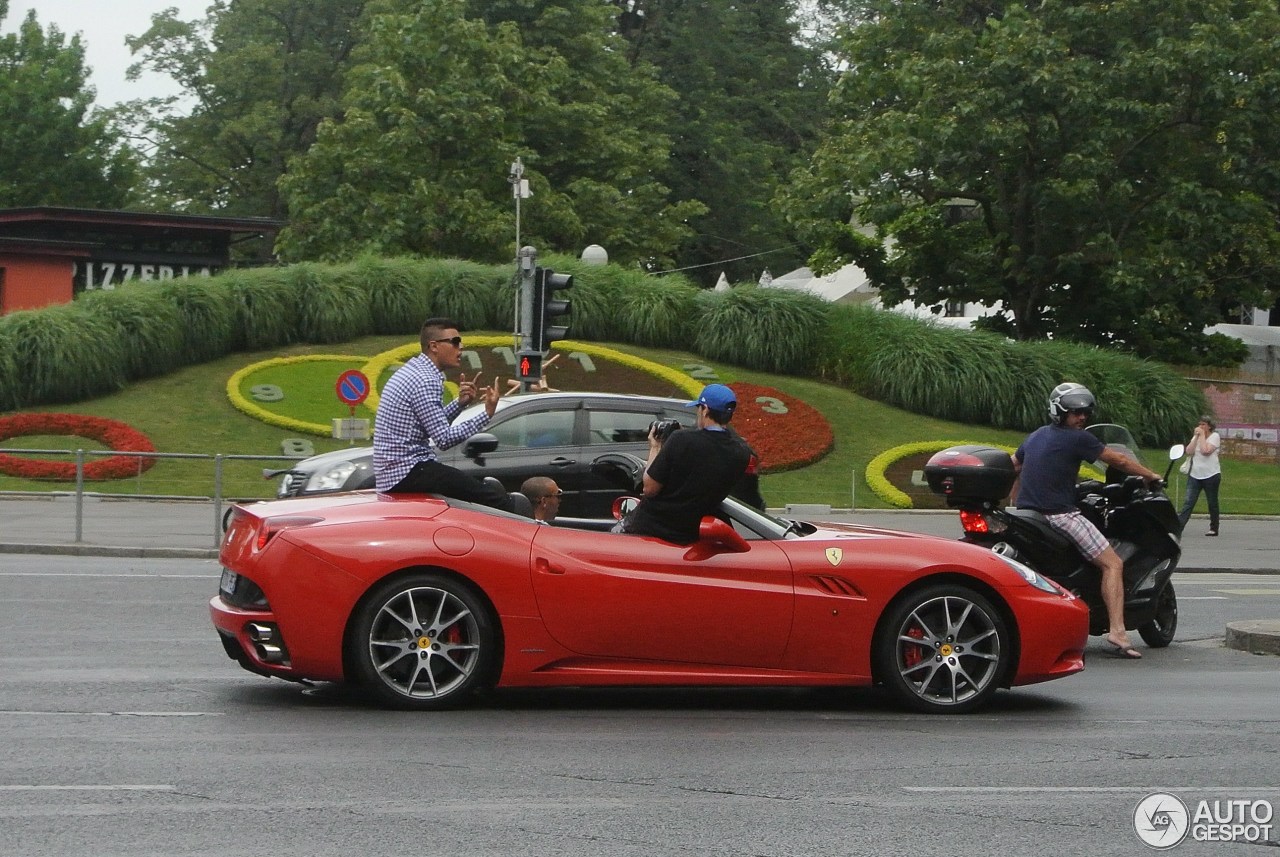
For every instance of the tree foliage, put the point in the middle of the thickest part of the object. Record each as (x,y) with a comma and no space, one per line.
(445,96)
(54,150)
(1120,158)
(258,76)
(752,95)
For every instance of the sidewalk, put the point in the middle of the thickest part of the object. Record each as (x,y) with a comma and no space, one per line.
(189,528)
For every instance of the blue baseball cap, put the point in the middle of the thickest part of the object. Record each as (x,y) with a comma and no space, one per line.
(716,397)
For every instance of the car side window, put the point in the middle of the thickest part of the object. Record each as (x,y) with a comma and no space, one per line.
(544,428)
(606,427)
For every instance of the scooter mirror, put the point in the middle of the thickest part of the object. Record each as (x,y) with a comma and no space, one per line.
(1176,451)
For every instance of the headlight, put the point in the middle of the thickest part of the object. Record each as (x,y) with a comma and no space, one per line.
(332,479)
(1030,575)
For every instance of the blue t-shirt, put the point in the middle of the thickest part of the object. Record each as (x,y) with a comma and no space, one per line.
(1051,457)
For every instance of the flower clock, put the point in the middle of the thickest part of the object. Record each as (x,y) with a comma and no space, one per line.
(115,435)
(785,432)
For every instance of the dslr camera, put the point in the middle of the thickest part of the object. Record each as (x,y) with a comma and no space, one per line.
(662,429)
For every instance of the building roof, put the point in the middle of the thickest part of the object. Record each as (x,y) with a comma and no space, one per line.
(10,217)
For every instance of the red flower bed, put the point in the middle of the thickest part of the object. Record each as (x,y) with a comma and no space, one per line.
(785,432)
(115,435)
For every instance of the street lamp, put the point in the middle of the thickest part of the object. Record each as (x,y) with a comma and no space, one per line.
(595,255)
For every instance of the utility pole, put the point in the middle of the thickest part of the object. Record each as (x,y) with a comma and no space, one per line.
(519,190)
(528,355)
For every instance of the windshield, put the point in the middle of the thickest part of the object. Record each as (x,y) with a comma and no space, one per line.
(1116,437)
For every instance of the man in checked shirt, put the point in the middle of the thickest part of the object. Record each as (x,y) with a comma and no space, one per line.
(412,423)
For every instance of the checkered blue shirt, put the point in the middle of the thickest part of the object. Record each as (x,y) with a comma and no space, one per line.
(412,423)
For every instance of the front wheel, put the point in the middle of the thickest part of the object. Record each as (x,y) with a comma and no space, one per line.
(425,641)
(943,650)
(1159,632)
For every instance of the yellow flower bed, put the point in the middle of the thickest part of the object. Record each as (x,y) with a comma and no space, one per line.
(240,403)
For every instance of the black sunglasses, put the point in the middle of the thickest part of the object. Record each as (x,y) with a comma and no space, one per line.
(455,341)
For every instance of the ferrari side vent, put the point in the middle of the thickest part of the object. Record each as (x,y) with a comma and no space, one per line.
(836,585)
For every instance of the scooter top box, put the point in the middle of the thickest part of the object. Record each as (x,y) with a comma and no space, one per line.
(971,472)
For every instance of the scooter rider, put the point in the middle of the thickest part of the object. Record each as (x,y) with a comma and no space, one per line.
(1047,464)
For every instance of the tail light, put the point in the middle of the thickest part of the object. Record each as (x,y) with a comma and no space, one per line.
(978,522)
(269,528)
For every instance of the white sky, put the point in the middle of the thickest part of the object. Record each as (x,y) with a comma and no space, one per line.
(102,25)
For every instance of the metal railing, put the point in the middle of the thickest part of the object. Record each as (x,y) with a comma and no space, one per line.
(147,483)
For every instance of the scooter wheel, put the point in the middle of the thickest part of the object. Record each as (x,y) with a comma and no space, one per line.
(1159,632)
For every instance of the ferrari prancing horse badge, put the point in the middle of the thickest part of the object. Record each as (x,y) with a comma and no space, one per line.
(834,555)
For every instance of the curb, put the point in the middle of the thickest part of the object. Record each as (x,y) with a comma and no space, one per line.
(111,550)
(1258,636)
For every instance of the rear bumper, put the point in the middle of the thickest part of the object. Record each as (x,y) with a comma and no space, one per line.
(252,638)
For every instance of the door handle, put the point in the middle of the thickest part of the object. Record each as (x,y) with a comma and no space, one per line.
(543,566)
(561,461)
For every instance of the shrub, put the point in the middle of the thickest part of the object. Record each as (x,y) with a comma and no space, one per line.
(769,329)
(64,354)
(399,292)
(267,307)
(208,314)
(474,295)
(333,306)
(146,325)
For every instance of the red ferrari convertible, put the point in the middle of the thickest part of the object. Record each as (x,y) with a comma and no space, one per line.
(425,601)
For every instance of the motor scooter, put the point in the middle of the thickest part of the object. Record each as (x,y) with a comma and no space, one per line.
(1138,520)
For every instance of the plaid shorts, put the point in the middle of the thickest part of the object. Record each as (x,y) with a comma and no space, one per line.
(1081,531)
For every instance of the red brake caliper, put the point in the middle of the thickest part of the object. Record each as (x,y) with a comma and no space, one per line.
(914,654)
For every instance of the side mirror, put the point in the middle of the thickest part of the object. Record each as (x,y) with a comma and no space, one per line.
(479,444)
(715,537)
(622,506)
(1176,451)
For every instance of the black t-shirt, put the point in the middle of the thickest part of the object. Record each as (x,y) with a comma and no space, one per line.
(696,467)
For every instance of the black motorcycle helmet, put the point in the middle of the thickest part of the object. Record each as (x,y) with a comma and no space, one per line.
(1070,397)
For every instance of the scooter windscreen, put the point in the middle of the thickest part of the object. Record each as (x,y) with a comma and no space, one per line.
(1116,437)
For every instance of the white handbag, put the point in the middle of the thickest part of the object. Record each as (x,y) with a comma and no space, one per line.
(1185,467)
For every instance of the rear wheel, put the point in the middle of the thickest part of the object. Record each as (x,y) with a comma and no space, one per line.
(1159,632)
(425,641)
(943,650)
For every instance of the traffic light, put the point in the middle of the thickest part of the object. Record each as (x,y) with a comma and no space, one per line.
(529,366)
(550,314)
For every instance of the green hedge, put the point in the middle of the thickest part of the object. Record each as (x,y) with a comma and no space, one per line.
(105,339)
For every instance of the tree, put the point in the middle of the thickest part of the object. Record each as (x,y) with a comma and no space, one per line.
(259,76)
(55,151)
(444,97)
(1106,171)
(752,96)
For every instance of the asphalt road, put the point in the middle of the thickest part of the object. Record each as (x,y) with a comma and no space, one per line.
(127,731)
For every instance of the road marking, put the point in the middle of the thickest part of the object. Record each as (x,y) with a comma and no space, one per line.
(1249,591)
(90,788)
(1203,597)
(1101,789)
(115,713)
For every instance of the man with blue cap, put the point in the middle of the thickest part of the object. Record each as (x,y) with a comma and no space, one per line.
(688,475)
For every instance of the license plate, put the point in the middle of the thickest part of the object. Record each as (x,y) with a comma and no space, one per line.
(228,582)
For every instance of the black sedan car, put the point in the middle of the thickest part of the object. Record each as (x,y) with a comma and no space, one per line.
(561,435)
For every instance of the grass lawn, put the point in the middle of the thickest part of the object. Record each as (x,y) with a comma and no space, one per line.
(188,412)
